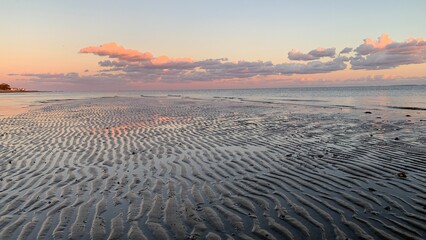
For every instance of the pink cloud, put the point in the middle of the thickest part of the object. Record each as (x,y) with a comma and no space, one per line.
(371,45)
(113,50)
(384,53)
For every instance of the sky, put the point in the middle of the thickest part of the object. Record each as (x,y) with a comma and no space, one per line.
(93,45)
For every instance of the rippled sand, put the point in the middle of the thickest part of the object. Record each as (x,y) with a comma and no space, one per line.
(172,168)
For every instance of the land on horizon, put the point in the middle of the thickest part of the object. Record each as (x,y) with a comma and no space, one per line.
(6,88)
(17,91)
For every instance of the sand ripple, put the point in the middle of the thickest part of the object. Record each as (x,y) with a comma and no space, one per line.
(172,168)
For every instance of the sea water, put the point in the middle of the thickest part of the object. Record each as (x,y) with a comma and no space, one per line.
(407,97)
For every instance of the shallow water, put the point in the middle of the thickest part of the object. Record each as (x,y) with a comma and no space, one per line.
(409,97)
(360,97)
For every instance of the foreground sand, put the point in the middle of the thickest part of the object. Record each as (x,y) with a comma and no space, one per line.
(159,168)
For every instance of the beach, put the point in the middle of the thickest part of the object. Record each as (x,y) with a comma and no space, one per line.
(174,167)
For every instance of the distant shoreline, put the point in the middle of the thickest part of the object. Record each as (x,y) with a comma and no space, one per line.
(12,91)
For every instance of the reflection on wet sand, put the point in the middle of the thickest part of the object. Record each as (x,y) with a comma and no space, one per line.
(165,168)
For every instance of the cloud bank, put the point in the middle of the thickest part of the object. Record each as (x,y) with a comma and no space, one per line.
(133,64)
(129,66)
(384,53)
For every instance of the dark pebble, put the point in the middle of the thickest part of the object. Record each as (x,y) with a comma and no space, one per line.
(402,175)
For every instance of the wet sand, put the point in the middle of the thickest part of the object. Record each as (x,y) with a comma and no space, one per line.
(178,168)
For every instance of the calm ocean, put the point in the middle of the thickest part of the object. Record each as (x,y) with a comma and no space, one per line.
(412,97)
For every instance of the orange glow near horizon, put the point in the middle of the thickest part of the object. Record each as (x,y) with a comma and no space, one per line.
(340,77)
(35,69)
